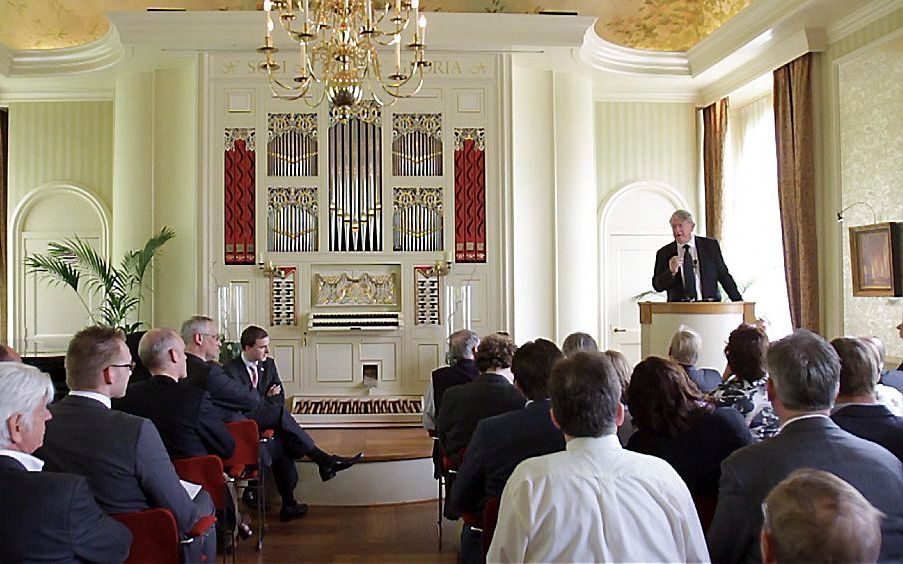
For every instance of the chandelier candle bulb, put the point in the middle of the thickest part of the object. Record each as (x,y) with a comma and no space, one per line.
(415,5)
(422,24)
(398,54)
(268,24)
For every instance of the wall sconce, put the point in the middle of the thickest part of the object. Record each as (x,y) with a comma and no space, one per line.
(270,270)
(440,268)
(840,217)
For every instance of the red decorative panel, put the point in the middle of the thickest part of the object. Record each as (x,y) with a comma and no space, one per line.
(239,184)
(470,196)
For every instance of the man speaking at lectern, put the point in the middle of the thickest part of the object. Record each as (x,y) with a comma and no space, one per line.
(691,267)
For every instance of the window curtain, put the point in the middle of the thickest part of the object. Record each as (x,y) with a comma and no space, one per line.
(714,121)
(753,245)
(4,243)
(796,188)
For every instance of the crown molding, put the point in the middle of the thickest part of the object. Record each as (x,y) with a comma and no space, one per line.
(740,30)
(94,56)
(50,95)
(861,18)
(758,62)
(607,56)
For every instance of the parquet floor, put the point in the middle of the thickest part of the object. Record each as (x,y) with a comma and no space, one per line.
(388,533)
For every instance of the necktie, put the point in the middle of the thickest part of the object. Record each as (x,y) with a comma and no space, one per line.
(253,370)
(688,275)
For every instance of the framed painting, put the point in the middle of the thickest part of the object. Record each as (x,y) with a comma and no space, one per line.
(876,253)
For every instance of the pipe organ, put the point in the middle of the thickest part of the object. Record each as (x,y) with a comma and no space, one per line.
(358,246)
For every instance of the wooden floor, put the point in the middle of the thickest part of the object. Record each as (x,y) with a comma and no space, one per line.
(387,533)
(377,444)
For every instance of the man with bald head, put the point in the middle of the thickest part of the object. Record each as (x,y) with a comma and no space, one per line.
(691,267)
(7,354)
(188,422)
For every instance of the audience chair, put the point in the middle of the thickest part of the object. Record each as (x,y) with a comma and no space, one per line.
(490,519)
(244,469)
(207,471)
(449,472)
(155,535)
(705,508)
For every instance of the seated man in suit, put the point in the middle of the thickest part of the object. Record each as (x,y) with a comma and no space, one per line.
(804,380)
(47,517)
(187,420)
(202,348)
(856,410)
(884,394)
(594,502)
(254,370)
(576,342)
(462,346)
(7,354)
(121,455)
(814,516)
(491,393)
(691,267)
(501,442)
(684,350)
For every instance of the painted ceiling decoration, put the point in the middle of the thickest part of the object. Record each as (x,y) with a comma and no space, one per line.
(655,25)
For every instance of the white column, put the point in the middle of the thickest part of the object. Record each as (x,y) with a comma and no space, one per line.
(576,224)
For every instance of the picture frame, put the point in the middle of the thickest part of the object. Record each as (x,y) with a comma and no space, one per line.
(876,253)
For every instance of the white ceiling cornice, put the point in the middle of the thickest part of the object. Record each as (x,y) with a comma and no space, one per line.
(98,55)
(861,18)
(604,55)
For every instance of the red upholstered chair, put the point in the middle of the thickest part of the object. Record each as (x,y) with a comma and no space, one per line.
(450,471)
(244,467)
(490,519)
(207,471)
(155,535)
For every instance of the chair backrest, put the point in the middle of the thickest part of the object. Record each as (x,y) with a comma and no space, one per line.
(247,447)
(155,536)
(206,471)
(490,519)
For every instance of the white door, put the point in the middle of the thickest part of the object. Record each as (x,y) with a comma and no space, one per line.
(631,260)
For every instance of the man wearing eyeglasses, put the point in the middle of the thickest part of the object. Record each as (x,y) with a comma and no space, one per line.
(121,455)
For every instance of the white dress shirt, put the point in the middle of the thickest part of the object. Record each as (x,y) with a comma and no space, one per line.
(94,396)
(31,463)
(695,255)
(596,502)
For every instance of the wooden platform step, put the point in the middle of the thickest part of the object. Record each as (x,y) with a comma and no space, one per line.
(379,444)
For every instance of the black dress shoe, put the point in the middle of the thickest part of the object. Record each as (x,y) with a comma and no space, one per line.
(336,464)
(290,512)
(251,499)
(244,527)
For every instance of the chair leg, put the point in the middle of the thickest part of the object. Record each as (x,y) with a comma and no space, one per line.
(261,507)
(439,518)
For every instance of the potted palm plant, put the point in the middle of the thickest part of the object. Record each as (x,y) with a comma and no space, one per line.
(76,264)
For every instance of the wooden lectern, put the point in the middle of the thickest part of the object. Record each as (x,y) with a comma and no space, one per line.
(714,321)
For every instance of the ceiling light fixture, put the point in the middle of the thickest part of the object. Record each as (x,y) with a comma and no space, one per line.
(339,60)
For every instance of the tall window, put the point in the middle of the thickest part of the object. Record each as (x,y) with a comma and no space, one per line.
(752,242)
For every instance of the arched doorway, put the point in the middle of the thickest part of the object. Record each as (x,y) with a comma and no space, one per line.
(633,225)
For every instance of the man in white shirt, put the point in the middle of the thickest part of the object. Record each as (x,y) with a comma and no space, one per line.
(594,502)
(804,379)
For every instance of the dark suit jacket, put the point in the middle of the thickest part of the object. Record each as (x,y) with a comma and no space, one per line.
(50,517)
(893,378)
(706,379)
(462,372)
(748,475)
(873,423)
(120,455)
(187,420)
(498,445)
(227,394)
(696,454)
(712,271)
(466,405)
(267,377)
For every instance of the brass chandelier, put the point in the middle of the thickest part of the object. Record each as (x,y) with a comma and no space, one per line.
(338,43)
